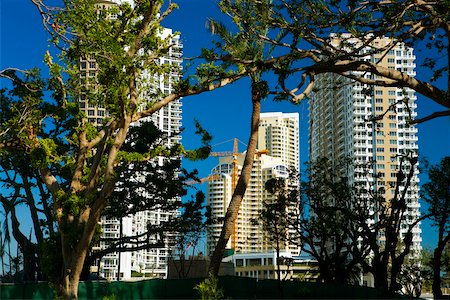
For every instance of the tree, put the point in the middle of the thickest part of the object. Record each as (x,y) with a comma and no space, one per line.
(243,51)
(436,194)
(297,36)
(341,222)
(276,215)
(76,161)
(327,227)
(315,37)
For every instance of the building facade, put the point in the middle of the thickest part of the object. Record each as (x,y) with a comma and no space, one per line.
(151,262)
(279,135)
(263,265)
(340,126)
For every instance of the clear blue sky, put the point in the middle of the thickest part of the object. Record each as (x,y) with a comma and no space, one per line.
(225,113)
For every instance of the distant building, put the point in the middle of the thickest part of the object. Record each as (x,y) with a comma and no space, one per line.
(263,265)
(279,135)
(339,110)
(195,267)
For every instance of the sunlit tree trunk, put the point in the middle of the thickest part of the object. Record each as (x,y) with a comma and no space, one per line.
(241,186)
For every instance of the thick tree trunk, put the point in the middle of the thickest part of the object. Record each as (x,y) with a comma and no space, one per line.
(437,257)
(74,256)
(241,186)
(380,274)
(68,288)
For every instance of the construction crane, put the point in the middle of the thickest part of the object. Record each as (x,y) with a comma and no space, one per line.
(201,180)
(234,163)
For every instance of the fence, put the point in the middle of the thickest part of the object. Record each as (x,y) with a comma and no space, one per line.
(234,288)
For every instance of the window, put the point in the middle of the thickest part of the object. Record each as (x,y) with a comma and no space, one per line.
(392,133)
(378,100)
(380,149)
(380,166)
(239,262)
(393,142)
(380,157)
(254,262)
(391,60)
(392,125)
(379,141)
(91,112)
(378,92)
(393,150)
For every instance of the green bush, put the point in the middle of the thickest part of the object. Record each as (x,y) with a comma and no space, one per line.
(208,289)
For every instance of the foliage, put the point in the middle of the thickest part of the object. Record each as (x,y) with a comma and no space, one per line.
(309,38)
(436,194)
(75,163)
(328,231)
(340,222)
(209,290)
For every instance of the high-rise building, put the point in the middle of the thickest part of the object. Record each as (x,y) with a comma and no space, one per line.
(339,125)
(279,135)
(151,262)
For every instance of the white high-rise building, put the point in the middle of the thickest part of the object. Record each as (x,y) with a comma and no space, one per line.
(279,136)
(339,127)
(152,262)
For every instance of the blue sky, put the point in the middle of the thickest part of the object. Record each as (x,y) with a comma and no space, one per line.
(225,113)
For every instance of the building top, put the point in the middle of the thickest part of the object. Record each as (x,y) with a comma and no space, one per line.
(279,114)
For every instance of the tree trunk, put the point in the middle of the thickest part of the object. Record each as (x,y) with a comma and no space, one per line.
(280,287)
(74,256)
(241,186)
(68,288)
(437,257)
(380,274)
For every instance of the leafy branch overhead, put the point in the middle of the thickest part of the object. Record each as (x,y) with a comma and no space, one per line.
(349,38)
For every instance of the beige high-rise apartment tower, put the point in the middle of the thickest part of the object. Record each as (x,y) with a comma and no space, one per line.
(339,125)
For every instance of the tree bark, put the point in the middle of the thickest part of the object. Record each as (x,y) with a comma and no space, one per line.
(437,258)
(241,186)
(436,287)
